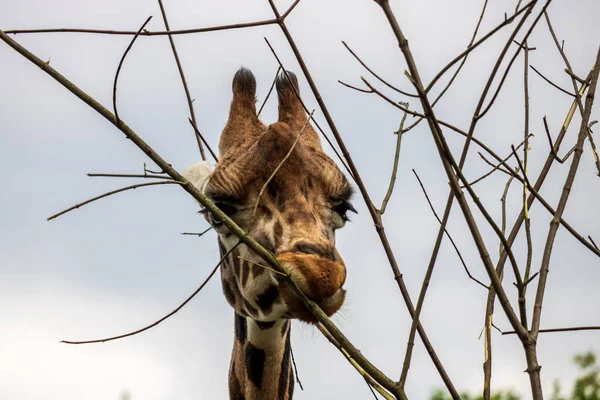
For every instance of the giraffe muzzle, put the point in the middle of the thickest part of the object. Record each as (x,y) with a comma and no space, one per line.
(319,278)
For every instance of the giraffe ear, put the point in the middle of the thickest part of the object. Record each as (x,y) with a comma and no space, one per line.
(243,122)
(197,173)
(291,109)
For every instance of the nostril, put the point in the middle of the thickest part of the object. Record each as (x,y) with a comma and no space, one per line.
(314,248)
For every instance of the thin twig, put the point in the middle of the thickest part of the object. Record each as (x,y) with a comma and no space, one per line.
(552,83)
(196,233)
(523,289)
(560,48)
(567,155)
(198,134)
(570,72)
(464,60)
(462,64)
(555,330)
(462,260)
(354,87)
(146,171)
(269,93)
(512,60)
(152,176)
(497,167)
(593,145)
(263,266)
(528,281)
(491,33)
(371,389)
(121,64)
(166,316)
(388,195)
(145,33)
(374,74)
(545,265)
(76,206)
(594,243)
(494,167)
(551,210)
(503,202)
(182,75)
(295,369)
(285,14)
(306,108)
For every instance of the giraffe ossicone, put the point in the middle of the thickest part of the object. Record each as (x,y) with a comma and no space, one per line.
(294,214)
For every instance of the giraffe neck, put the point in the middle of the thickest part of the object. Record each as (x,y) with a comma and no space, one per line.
(260,364)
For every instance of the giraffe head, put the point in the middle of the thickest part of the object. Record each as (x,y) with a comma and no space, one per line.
(293,212)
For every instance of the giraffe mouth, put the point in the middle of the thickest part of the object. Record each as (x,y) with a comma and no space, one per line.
(320,279)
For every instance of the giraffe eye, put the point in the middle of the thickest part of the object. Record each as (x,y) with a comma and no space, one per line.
(342,209)
(227,209)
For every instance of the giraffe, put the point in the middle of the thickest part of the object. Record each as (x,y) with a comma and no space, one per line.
(294,216)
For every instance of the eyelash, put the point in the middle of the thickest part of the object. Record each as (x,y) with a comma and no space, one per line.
(342,209)
(226,208)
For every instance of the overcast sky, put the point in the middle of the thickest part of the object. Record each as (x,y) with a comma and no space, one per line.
(119,264)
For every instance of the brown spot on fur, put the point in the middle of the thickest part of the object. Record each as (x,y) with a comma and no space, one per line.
(265,212)
(277,229)
(245,271)
(257,271)
(251,310)
(264,325)
(228,293)
(255,364)
(235,390)
(265,300)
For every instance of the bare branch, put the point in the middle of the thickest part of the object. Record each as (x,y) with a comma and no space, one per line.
(552,83)
(76,206)
(355,88)
(145,32)
(537,310)
(121,64)
(306,109)
(152,325)
(182,75)
(594,243)
(556,330)
(523,289)
(388,195)
(507,21)
(462,260)
(593,145)
(374,74)
(199,135)
(495,167)
(512,60)
(197,234)
(552,151)
(285,14)
(152,176)
(269,93)
(295,369)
